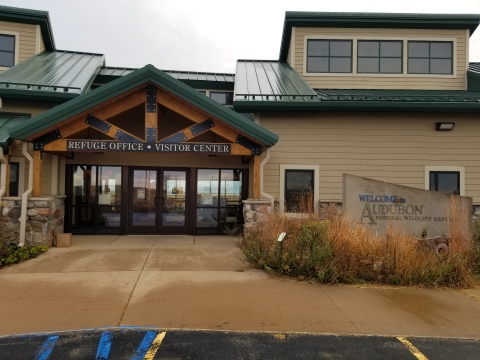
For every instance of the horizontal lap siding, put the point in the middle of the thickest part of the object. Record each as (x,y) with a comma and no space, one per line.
(362,81)
(393,148)
(27,34)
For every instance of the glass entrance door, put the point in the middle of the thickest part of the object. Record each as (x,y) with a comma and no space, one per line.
(158,201)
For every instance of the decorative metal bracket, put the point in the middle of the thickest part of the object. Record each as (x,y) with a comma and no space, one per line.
(174,139)
(38,143)
(201,127)
(122,136)
(249,144)
(98,124)
(151,99)
(151,135)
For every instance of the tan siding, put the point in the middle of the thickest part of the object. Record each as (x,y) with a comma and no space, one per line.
(27,38)
(25,107)
(384,82)
(388,147)
(289,54)
(46,174)
(42,43)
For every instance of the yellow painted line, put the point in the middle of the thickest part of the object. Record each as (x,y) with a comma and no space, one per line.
(155,345)
(412,349)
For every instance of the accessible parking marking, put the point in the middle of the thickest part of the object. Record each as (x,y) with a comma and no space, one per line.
(47,348)
(104,346)
(412,349)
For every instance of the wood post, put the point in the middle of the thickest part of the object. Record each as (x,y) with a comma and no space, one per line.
(37,174)
(256,176)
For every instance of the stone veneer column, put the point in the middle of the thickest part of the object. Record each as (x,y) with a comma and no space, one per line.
(254,210)
(45,217)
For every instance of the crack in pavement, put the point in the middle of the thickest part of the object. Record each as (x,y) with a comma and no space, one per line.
(134,286)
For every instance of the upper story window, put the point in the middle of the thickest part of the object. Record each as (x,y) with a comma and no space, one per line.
(224,98)
(7,50)
(430,57)
(329,56)
(379,57)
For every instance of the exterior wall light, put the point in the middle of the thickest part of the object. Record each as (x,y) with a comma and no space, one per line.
(444,126)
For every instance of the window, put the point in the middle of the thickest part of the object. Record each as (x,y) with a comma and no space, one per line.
(7,50)
(446,179)
(435,57)
(384,57)
(447,182)
(224,98)
(296,181)
(14,178)
(329,56)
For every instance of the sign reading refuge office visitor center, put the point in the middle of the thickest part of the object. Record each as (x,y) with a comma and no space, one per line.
(377,203)
(103,145)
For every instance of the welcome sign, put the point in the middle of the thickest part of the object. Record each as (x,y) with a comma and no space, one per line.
(377,204)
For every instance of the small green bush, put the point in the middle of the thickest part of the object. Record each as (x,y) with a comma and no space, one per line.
(13,254)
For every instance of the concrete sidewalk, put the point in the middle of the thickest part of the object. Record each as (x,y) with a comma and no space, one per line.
(203,282)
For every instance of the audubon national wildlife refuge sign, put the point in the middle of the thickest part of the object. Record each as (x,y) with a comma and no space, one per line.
(378,204)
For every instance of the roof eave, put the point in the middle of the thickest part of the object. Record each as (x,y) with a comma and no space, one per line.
(27,16)
(374,20)
(36,95)
(325,106)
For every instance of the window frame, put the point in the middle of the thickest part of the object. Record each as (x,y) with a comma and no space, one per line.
(16,181)
(449,169)
(208,93)
(316,182)
(21,173)
(379,57)
(429,58)
(394,37)
(16,36)
(351,41)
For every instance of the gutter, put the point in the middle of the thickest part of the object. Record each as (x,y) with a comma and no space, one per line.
(26,195)
(262,193)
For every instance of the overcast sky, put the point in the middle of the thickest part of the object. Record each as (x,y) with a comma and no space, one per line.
(202,35)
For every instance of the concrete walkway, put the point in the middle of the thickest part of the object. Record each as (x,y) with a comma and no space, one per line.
(203,282)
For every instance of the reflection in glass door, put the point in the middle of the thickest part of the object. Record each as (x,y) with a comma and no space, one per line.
(158,201)
(144,200)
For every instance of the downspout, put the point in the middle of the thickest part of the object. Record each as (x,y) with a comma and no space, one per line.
(262,193)
(26,194)
(3,174)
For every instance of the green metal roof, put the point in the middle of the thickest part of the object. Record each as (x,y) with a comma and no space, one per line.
(6,122)
(373,100)
(50,75)
(473,76)
(147,74)
(28,16)
(197,80)
(266,80)
(373,20)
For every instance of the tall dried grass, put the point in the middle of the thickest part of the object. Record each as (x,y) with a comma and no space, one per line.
(338,251)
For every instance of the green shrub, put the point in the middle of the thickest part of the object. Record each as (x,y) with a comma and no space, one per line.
(13,254)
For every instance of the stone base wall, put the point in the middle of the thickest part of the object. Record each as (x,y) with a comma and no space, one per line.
(45,218)
(254,211)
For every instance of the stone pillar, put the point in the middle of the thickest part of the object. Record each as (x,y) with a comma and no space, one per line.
(254,211)
(45,217)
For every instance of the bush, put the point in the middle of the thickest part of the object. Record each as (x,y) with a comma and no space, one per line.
(335,251)
(13,254)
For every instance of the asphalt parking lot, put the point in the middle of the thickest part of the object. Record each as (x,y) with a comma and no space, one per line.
(136,344)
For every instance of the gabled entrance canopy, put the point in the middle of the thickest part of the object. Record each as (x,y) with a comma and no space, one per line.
(58,129)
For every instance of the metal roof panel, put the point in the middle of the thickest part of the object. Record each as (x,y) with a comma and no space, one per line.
(6,122)
(57,71)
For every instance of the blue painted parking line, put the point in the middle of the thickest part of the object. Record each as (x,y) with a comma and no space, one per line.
(104,346)
(144,345)
(47,348)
